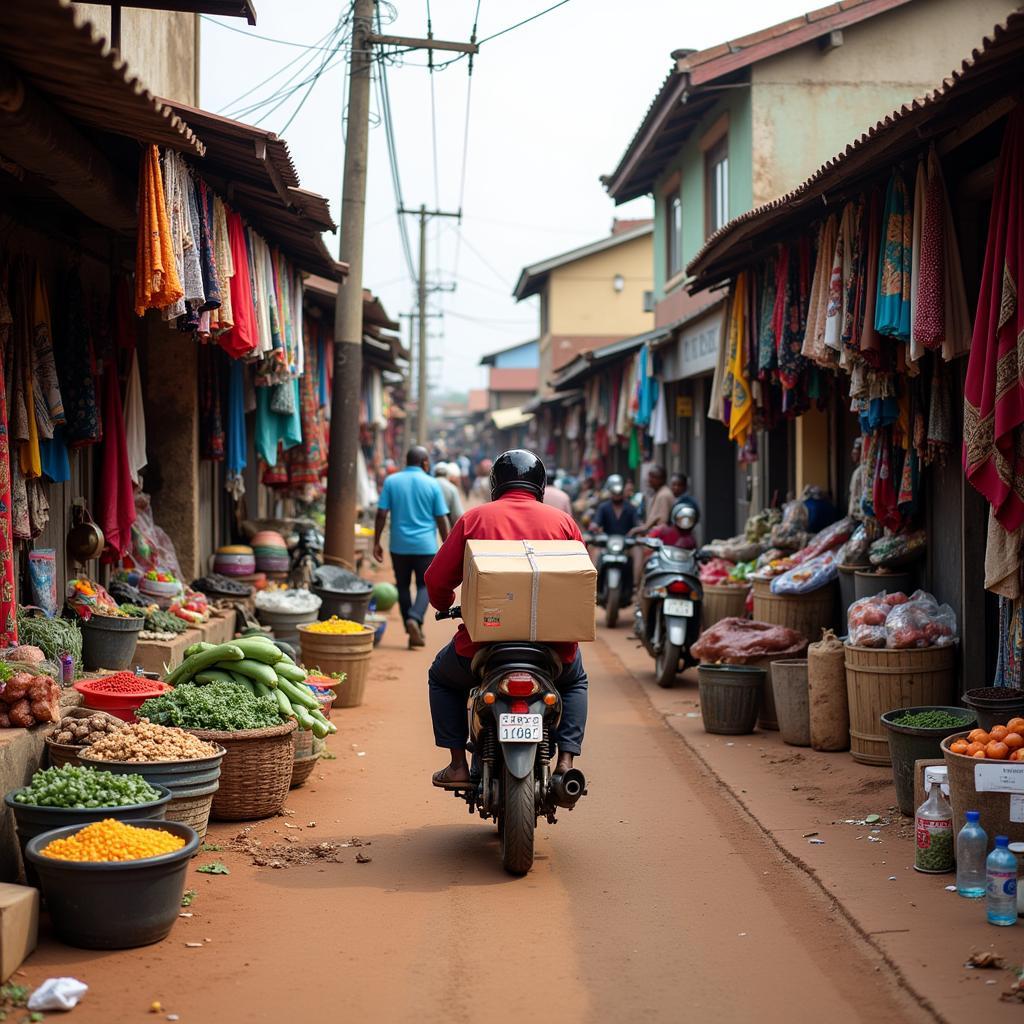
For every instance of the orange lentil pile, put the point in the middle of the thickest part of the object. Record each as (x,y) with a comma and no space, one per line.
(111,840)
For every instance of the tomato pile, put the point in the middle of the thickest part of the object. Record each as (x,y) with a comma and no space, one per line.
(1000,743)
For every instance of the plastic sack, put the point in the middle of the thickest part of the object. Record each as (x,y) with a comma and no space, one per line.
(733,549)
(151,547)
(716,571)
(856,550)
(813,574)
(42,575)
(920,623)
(898,549)
(791,534)
(741,572)
(31,660)
(57,994)
(831,537)
(868,636)
(735,640)
(869,611)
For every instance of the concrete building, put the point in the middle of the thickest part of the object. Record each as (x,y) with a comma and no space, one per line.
(732,127)
(590,296)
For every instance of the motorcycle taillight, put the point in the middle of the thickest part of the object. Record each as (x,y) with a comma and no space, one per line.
(678,587)
(518,684)
(519,707)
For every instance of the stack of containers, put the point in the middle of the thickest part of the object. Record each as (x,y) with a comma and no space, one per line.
(271,552)
(234,560)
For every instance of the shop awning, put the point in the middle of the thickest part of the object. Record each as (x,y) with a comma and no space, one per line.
(505,419)
(59,54)
(587,363)
(253,170)
(971,99)
(221,8)
(548,401)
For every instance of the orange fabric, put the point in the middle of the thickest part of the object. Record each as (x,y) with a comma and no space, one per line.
(156,273)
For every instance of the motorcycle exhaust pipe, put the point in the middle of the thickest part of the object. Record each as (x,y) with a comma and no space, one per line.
(568,787)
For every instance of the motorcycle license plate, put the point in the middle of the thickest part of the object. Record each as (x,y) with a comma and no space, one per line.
(676,606)
(520,728)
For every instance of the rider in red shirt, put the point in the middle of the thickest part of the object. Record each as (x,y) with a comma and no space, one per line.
(515,512)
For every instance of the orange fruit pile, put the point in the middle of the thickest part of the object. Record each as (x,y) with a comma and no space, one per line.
(1000,743)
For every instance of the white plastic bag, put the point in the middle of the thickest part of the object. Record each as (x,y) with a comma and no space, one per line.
(57,994)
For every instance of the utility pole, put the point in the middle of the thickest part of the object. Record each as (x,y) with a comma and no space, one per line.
(339,532)
(421,292)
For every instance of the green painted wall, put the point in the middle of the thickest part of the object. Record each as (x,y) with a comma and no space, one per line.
(690,163)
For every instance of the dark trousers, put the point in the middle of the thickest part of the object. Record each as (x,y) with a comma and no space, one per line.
(450,679)
(407,566)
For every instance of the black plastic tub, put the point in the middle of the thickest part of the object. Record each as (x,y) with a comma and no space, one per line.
(351,605)
(908,744)
(118,905)
(995,705)
(174,775)
(109,641)
(30,821)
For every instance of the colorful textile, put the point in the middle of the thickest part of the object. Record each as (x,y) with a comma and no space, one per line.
(895,257)
(207,255)
(222,319)
(211,427)
(814,347)
(796,291)
(77,367)
(737,387)
(993,452)
(49,405)
(157,283)
(242,338)
(235,430)
(8,604)
(766,345)
(135,422)
(115,497)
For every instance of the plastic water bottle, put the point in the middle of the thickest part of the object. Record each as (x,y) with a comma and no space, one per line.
(1001,870)
(971,846)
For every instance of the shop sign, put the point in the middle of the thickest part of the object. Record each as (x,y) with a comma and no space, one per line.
(698,346)
(684,406)
(999,777)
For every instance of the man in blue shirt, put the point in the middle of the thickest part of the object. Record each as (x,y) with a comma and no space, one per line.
(418,512)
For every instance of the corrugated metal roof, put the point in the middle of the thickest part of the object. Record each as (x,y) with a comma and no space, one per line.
(253,169)
(584,364)
(221,8)
(997,63)
(679,102)
(73,67)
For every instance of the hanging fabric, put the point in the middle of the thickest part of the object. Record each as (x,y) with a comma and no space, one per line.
(116,499)
(221,319)
(814,347)
(895,257)
(76,366)
(737,387)
(235,461)
(243,336)
(157,283)
(994,393)
(8,604)
(135,422)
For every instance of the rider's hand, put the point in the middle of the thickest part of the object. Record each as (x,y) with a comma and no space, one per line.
(378,552)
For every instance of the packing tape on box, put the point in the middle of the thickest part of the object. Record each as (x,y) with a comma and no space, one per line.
(531,556)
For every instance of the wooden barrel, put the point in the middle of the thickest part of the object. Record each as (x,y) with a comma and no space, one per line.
(880,680)
(339,652)
(723,601)
(806,613)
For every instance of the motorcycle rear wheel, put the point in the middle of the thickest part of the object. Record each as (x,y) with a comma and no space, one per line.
(611,609)
(518,820)
(666,665)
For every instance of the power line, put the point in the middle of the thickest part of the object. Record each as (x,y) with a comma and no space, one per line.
(483,259)
(525,21)
(325,65)
(488,319)
(253,35)
(465,145)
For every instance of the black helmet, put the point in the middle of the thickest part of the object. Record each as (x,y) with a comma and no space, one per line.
(518,470)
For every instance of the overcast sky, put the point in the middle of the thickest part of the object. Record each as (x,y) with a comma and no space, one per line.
(554,103)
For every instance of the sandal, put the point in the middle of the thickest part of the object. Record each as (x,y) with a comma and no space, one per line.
(441,780)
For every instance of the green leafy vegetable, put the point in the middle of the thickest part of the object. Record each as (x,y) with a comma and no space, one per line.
(188,897)
(81,787)
(218,706)
(214,868)
(54,637)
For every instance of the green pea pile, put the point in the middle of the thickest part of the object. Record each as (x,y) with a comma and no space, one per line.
(80,788)
(938,855)
(933,720)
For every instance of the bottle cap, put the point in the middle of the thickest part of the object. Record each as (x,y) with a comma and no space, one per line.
(936,775)
(1002,841)
(973,817)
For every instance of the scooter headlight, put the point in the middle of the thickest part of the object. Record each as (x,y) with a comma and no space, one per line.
(616,545)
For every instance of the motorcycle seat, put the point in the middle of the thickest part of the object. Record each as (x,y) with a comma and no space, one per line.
(512,654)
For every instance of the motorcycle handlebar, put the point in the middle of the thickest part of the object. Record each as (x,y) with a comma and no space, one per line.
(455,612)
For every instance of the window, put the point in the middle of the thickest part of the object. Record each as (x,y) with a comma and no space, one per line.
(544,311)
(716,186)
(673,235)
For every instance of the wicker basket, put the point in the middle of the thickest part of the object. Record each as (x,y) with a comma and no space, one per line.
(806,613)
(302,768)
(192,807)
(723,601)
(255,772)
(302,743)
(67,753)
(880,679)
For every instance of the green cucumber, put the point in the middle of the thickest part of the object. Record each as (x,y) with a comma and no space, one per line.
(259,650)
(260,689)
(284,703)
(204,659)
(195,648)
(213,675)
(292,672)
(257,670)
(298,694)
(237,677)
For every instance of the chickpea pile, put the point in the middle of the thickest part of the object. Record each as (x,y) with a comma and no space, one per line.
(144,741)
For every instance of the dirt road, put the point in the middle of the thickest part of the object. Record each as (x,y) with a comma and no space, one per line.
(654,900)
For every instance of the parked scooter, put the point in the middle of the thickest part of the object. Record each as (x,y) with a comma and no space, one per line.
(513,714)
(307,554)
(669,596)
(614,574)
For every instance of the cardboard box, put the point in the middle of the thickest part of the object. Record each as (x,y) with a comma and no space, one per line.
(541,590)
(152,655)
(19,926)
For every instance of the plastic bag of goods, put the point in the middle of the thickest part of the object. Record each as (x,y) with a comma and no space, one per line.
(741,572)
(737,640)
(831,537)
(855,551)
(733,549)
(920,623)
(898,549)
(716,571)
(810,575)
(287,601)
(791,534)
(869,611)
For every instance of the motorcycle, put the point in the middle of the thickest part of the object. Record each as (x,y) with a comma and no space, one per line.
(614,574)
(513,713)
(667,615)
(306,554)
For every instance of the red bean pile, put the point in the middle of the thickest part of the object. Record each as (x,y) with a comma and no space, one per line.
(122,682)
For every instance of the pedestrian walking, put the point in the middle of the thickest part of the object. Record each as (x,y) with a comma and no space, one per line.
(442,473)
(556,497)
(418,513)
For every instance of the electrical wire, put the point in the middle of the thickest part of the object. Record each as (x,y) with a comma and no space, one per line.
(484,261)
(525,21)
(253,35)
(326,65)
(465,148)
